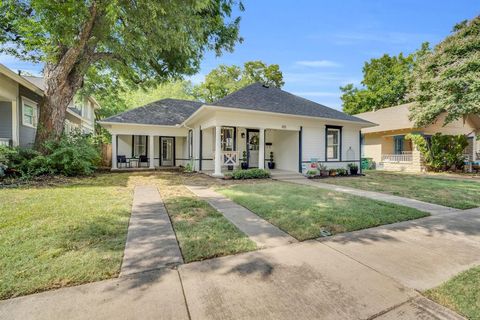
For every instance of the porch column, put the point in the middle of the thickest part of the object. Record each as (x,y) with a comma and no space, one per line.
(15,124)
(114,151)
(151,151)
(261,149)
(218,152)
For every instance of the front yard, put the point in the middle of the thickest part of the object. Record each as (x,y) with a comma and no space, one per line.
(75,232)
(455,193)
(304,211)
(461,293)
(62,235)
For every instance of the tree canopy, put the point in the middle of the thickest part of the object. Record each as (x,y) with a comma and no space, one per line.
(448,78)
(224,79)
(138,43)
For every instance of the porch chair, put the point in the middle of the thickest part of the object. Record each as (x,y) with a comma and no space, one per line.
(143,159)
(122,161)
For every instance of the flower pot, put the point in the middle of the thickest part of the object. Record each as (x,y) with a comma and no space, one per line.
(353,171)
(244,165)
(271,165)
(230,168)
(324,173)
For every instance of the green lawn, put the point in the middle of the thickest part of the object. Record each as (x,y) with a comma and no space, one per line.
(303,211)
(57,236)
(461,194)
(202,231)
(461,293)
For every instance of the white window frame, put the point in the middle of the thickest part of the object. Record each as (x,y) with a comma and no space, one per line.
(338,144)
(30,103)
(136,145)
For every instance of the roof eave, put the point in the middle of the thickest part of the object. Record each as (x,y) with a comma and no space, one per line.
(19,79)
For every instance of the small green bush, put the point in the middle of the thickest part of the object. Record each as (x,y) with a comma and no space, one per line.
(311,173)
(250,174)
(342,172)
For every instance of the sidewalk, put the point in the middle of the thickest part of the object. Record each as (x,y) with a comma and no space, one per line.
(263,233)
(151,241)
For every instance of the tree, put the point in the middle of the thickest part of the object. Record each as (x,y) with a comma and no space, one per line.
(386,82)
(137,42)
(448,78)
(224,79)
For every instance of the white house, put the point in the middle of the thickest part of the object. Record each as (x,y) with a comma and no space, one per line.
(19,109)
(258,121)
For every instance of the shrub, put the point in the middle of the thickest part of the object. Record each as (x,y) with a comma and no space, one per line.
(443,152)
(342,172)
(250,174)
(312,173)
(73,155)
(352,166)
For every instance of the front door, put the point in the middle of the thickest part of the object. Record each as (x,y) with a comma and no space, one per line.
(166,151)
(253,137)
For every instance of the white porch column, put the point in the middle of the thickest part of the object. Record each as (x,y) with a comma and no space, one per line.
(261,149)
(151,151)
(218,152)
(15,124)
(114,151)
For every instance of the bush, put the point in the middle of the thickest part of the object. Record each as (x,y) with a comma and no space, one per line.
(250,174)
(71,155)
(312,173)
(442,152)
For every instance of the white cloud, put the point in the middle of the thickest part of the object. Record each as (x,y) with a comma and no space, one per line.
(197,78)
(318,63)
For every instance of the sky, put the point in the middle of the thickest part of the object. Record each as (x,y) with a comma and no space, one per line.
(322,45)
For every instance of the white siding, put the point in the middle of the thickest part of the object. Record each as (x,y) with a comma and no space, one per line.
(286,150)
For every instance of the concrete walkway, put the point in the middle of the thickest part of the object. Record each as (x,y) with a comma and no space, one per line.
(431,208)
(369,274)
(151,241)
(263,233)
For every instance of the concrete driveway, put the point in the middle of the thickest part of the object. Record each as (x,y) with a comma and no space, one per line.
(361,275)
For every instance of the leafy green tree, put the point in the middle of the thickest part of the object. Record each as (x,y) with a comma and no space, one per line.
(224,79)
(137,42)
(448,78)
(386,82)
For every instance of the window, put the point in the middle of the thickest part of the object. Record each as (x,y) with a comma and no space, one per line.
(139,146)
(29,113)
(228,139)
(398,147)
(190,144)
(333,144)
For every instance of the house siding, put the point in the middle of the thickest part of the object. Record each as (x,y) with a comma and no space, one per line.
(26,134)
(6,119)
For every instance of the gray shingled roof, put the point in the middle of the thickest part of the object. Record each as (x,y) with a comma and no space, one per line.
(168,112)
(270,99)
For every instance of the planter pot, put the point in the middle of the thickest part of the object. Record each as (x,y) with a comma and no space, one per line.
(230,168)
(271,165)
(353,171)
(244,165)
(324,173)
(333,174)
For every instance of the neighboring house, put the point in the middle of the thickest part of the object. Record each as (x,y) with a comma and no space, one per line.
(256,120)
(387,146)
(19,109)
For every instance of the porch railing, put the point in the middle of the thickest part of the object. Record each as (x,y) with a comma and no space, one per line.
(229,158)
(4,142)
(407,157)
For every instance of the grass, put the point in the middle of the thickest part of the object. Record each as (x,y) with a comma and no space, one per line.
(303,211)
(461,293)
(202,231)
(62,235)
(75,232)
(455,193)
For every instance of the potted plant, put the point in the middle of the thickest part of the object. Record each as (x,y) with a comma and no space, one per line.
(332,172)
(323,170)
(311,173)
(271,164)
(244,163)
(341,172)
(353,168)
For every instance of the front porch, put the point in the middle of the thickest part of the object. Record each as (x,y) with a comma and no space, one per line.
(225,148)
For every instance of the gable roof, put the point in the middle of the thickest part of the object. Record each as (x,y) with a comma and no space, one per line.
(37,81)
(393,118)
(259,97)
(167,112)
(20,79)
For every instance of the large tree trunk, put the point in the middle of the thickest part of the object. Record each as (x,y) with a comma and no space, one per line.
(59,91)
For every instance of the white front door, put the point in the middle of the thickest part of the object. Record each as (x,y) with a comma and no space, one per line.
(166,151)
(252,147)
